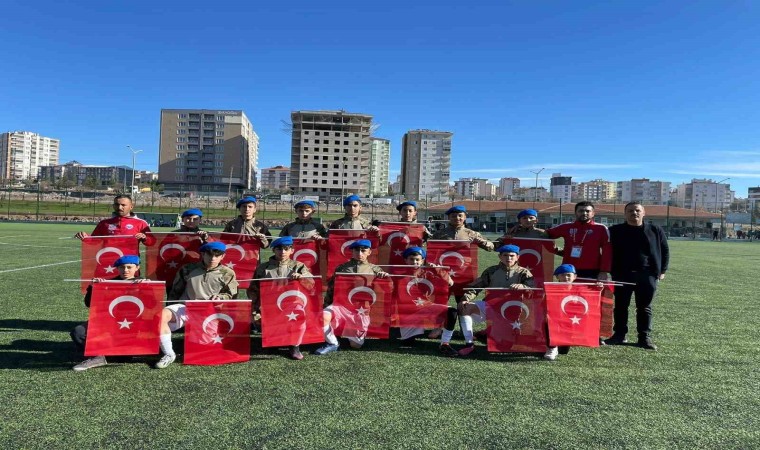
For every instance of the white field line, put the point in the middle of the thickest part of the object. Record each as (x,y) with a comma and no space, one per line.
(39,267)
(37,246)
(19,236)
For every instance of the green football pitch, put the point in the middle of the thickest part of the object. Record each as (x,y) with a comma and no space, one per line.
(701,389)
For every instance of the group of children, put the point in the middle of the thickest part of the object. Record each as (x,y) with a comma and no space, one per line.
(209,279)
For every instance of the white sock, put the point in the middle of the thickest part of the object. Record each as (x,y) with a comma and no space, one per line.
(465,322)
(330,336)
(407,332)
(446,336)
(165,343)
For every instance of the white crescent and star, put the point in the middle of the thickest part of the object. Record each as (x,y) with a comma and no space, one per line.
(520,304)
(105,250)
(292,293)
(217,316)
(530,251)
(128,299)
(574,299)
(168,246)
(364,289)
(346,244)
(240,249)
(397,234)
(457,255)
(306,251)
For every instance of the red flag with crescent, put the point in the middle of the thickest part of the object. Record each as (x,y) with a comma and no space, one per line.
(573,313)
(217,332)
(421,299)
(460,256)
(395,237)
(307,251)
(166,253)
(291,312)
(337,247)
(608,309)
(516,321)
(100,252)
(242,255)
(364,303)
(537,256)
(124,318)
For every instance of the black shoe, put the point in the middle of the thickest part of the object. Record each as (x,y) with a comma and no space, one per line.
(481,336)
(616,340)
(408,342)
(447,350)
(646,343)
(564,350)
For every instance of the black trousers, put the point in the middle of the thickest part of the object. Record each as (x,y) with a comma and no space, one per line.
(644,289)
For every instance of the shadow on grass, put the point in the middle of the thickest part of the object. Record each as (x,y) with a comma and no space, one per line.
(42,325)
(425,347)
(38,355)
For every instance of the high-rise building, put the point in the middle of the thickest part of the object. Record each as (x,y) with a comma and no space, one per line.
(507,186)
(644,190)
(473,188)
(561,187)
(379,166)
(275,178)
(78,174)
(330,153)
(595,190)
(704,194)
(22,153)
(204,150)
(426,164)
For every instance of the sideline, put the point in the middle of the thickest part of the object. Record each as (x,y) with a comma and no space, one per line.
(39,267)
(37,246)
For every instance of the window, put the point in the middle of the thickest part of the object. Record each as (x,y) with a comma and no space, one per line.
(306,140)
(317,133)
(316,141)
(345,150)
(345,142)
(303,180)
(181,139)
(221,118)
(335,174)
(179,170)
(305,132)
(324,181)
(356,134)
(182,116)
(181,131)
(220,133)
(304,173)
(337,142)
(324,166)
(315,173)
(335,181)
(218,141)
(305,156)
(181,124)
(345,134)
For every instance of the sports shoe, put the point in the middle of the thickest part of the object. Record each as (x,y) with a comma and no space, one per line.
(448,350)
(165,360)
(295,353)
(96,361)
(467,349)
(616,339)
(551,353)
(646,343)
(329,348)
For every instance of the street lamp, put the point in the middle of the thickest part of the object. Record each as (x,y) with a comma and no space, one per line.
(720,208)
(134,154)
(535,189)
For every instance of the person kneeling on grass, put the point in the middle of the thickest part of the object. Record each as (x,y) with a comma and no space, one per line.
(279,266)
(415,256)
(333,317)
(507,274)
(128,266)
(203,280)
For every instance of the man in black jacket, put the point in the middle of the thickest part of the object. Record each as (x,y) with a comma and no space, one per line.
(640,256)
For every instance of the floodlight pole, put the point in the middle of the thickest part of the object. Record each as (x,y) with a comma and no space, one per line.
(134,155)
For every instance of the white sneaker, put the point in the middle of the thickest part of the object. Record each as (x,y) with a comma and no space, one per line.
(165,360)
(96,361)
(551,354)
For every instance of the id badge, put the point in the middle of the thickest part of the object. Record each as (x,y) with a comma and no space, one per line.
(576,252)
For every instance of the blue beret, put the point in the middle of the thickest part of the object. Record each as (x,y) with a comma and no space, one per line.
(305,203)
(244,200)
(351,198)
(208,246)
(127,259)
(361,243)
(192,212)
(413,250)
(279,242)
(407,203)
(527,212)
(564,268)
(456,209)
(511,248)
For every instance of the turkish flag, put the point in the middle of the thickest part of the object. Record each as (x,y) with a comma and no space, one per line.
(460,256)
(217,332)
(291,312)
(124,318)
(516,321)
(535,255)
(573,313)
(421,299)
(395,237)
(242,255)
(307,252)
(365,302)
(167,252)
(338,251)
(608,308)
(100,252)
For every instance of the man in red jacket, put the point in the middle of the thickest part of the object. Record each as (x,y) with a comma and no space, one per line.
(587,244)
(123,222)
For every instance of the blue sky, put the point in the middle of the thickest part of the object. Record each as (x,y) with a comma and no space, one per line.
(614,90)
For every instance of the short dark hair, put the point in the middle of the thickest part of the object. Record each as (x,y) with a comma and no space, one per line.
(633,203)
(583,204)
(120,196)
